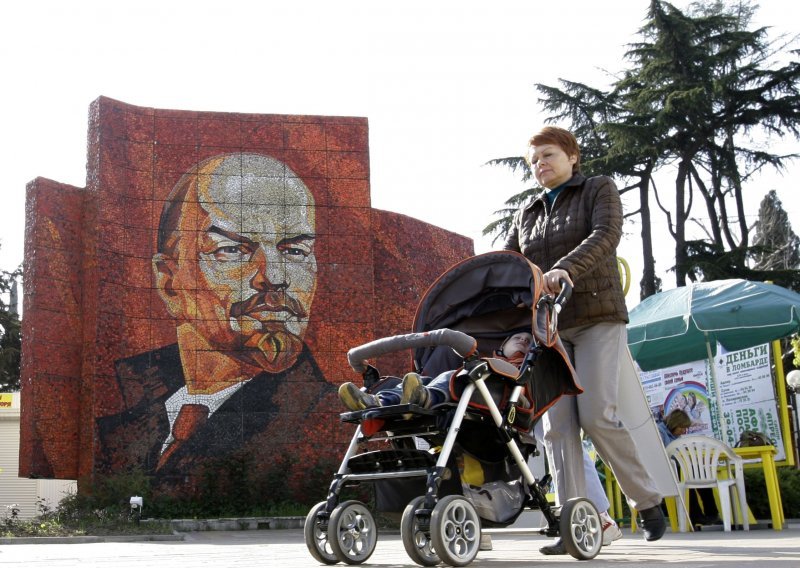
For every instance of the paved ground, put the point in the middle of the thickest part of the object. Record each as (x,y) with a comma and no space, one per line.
(286,548)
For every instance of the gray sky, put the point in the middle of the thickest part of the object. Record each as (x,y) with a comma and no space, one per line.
(445,85)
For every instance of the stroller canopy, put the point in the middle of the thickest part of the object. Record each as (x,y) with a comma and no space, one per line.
(488,297)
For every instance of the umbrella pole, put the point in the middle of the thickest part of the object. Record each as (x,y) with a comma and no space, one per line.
(723,424)
(783,404)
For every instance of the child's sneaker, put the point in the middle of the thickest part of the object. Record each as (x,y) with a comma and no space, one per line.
(414,392)
(356,399)
(611,531)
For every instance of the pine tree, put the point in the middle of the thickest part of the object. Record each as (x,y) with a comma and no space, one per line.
(776,246)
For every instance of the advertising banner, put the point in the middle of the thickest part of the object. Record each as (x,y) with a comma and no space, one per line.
(746,393)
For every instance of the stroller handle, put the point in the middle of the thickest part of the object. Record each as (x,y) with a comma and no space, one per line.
(463,344)
(564,295)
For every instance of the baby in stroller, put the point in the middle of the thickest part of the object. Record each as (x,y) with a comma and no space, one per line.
(413,389)
(454,467)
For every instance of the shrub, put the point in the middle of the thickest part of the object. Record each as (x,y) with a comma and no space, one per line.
(757,500)
(73,517)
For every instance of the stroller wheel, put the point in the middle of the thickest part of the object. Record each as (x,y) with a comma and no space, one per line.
(417,541)
(581,529)
(352,532)
(316,538)
(455,530)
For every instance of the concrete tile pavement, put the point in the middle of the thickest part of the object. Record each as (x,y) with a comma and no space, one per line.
(512,548)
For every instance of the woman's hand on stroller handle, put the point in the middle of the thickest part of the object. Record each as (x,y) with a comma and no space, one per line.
(555,280)
(558,285)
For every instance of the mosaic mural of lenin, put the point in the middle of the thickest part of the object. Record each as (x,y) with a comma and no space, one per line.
(188,313)
(236,268)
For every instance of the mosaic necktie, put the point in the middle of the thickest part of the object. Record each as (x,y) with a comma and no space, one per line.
(191,418)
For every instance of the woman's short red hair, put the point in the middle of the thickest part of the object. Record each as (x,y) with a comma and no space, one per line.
(560,137)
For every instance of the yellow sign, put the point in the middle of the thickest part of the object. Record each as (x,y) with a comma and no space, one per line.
(6,400)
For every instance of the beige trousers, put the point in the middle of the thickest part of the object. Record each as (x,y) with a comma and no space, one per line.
(595,351)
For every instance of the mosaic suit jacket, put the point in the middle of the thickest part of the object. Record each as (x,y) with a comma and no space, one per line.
(267,417)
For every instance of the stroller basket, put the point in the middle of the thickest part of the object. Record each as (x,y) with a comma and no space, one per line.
(383,461)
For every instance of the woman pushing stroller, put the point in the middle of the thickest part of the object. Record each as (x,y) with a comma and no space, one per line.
(456,467)
(571,232)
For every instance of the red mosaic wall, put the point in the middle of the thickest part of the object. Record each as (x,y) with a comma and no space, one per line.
(114,326)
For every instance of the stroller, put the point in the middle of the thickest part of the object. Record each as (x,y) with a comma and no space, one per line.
(461,465)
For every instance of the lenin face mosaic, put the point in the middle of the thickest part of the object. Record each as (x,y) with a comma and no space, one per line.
(236,265)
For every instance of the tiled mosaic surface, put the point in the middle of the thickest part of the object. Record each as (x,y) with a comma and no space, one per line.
(229,260)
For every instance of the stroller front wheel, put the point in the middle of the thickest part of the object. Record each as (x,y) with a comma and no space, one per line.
(455,530)
(352,532)
(580,528)
(417,541)
(316,538)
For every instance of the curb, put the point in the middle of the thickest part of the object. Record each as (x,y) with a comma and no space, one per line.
(91,539)
(237,524)
(178,526)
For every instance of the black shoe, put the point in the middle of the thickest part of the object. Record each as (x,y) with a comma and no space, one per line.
(554,549)
(653,523)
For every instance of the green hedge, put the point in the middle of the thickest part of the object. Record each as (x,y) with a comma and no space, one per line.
(789,481)
(232,488)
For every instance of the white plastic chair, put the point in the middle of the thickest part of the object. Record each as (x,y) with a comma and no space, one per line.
(698,461)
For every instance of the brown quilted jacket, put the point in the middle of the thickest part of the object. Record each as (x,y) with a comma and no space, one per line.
(579,235)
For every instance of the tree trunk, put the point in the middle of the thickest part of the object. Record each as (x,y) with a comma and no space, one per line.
(680,225)
(647,286)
